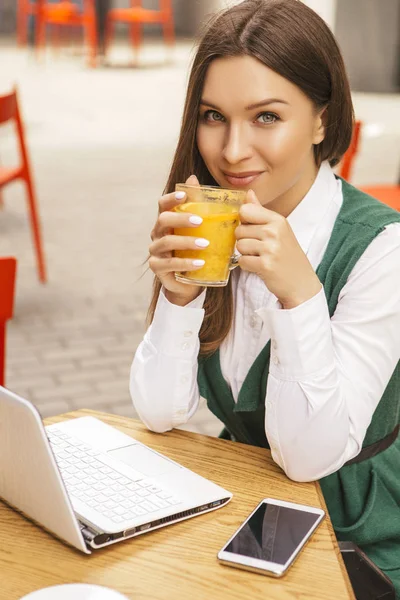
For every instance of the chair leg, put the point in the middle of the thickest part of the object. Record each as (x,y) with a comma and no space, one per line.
(22,24)
(135,32)
(36,230)
(2,351)
(108,33)
(55,38)
(75,38)
(169,32)
(91,40)
(169,39)
(40,31)
(1,198)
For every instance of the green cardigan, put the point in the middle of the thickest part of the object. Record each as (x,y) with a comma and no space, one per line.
(363,498)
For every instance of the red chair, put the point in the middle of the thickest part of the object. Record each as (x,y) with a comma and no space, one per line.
(63,14)
(7,286)
(136,16)
(25,9)
(346,164)
(9,111)
(388,194)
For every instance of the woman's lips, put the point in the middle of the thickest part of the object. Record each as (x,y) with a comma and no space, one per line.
(241,180)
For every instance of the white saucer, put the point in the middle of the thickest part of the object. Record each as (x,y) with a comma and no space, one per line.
(75,591)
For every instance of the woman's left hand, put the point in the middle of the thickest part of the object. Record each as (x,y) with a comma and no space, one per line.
(270,249)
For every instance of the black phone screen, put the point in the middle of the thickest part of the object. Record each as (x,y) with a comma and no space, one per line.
(272,533)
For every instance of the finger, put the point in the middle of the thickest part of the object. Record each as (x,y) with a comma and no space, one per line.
(168,243)
(248,247)
(256,214)
(255,232)
(168,221)
(169,201)
(251,198)
(250,263)
(162,266)
(192,180)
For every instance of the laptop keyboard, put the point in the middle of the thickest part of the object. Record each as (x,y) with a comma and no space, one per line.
(92,477)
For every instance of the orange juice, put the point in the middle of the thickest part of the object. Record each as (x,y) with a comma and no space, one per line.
(218,227)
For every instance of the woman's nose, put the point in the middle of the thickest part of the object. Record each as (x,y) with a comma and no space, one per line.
(236,146)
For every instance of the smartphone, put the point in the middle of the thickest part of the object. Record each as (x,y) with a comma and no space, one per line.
(271,537)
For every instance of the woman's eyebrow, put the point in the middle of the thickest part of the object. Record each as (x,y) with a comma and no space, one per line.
(265,102)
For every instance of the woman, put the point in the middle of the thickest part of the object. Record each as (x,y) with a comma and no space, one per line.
(300,352)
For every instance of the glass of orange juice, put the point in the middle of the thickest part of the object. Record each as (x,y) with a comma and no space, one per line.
(219,209)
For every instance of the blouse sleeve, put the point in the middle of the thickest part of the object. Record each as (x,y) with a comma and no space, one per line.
(327,375)
(163,380)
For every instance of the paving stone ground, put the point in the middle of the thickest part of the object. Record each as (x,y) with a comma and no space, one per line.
(101,143)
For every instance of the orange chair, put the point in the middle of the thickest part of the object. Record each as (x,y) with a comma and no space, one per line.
(68,14)
(346,164)
(25,9)
(136,16)
(388,194)
(7,286)
(9,111)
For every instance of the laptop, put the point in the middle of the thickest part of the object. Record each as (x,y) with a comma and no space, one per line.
(89,484)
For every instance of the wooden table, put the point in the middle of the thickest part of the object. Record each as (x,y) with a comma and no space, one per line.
(179,561)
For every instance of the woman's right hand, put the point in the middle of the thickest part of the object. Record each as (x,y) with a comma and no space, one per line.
(162,261)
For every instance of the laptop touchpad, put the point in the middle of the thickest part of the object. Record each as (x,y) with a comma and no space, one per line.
(143,459)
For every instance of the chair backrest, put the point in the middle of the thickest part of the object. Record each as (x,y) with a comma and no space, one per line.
(67,8)
(8,266)
(8,107)
(166,6)
(9,110)
(347,161)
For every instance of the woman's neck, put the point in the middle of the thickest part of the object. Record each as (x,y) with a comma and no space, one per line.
(287,202)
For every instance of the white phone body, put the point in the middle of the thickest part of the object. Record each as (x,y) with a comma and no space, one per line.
(283,528)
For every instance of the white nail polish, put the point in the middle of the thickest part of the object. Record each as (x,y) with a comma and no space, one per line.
(199,263)
(202,243)
(180,195)
(195,220)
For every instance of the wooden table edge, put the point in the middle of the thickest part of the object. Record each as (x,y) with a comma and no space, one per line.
(335,543)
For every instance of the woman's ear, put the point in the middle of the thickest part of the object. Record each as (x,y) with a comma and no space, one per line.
(321,120)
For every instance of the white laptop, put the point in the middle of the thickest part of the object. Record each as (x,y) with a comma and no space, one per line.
(88,483)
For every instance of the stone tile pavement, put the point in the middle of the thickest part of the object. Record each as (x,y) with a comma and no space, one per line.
(101,143)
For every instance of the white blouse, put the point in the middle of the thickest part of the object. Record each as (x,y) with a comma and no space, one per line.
(326,376)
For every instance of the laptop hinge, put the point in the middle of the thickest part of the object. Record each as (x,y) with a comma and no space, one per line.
(88,534)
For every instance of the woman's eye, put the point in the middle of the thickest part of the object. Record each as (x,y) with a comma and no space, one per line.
(212,115)
(267,117)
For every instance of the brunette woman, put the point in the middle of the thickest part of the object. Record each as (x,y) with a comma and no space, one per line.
(300,352)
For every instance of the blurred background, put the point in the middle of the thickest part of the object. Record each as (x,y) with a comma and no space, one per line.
(100,129)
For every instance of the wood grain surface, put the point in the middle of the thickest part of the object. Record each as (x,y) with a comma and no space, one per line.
(179,561)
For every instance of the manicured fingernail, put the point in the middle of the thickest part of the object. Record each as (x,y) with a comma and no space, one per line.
(195,220)
(199,263)
(202,243)
(180,195)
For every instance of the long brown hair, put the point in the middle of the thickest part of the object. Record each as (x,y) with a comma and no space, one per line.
(295,42)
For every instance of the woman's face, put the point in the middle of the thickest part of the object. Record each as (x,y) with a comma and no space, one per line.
(256,130)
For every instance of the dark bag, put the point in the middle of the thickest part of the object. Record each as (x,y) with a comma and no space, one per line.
(368,581)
